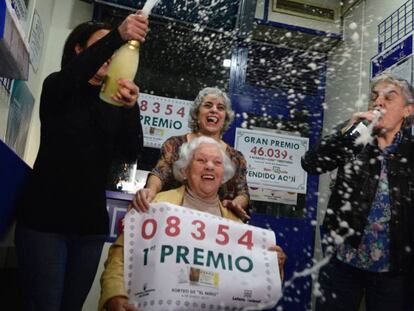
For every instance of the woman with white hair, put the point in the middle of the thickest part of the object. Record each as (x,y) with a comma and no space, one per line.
(210,115)
(202,167)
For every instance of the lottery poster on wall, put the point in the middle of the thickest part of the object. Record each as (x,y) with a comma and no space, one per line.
(180,259)
(162,117)
(273,196)
(273,160)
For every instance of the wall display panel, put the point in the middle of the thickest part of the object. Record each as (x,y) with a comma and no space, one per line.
(5,86)
(20,114)
(13,172)
(404,69)
(390,57)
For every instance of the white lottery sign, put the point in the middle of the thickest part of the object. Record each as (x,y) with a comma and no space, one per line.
(162,117)
(181,259)
(273,160)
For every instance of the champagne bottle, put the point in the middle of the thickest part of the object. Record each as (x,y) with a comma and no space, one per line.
(361,127)
(124,64)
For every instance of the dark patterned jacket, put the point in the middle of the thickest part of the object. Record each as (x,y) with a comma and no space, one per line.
(355,188)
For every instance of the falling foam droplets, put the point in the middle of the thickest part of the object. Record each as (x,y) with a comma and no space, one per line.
(148,6)
(353,26)
(355,37)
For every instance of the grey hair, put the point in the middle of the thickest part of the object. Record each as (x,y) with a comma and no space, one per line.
(187,151)
(195,108)
(406,87)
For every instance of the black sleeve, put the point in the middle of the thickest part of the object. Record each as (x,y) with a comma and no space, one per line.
(332,151)
(60,86)
(129,143)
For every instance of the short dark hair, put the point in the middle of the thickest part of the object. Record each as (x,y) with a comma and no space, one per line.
(80,35)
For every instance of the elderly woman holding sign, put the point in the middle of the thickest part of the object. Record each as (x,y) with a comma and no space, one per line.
(202,167)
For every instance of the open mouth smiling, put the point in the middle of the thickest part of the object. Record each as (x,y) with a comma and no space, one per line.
(208,177)
(212,119)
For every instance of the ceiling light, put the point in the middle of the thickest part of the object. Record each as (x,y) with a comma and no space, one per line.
(227,63)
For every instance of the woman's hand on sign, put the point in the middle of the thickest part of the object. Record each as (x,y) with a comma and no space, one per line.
(142,199)
(119,303)
(236,208)
(281,258)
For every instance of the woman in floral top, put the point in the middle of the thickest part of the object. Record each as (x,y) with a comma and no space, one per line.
(210,115)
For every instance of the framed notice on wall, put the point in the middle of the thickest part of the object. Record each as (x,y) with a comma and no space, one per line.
(273,160)
(162,117)
(36,39)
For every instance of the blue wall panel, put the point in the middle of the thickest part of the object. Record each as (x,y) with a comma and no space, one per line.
(13,172)
(295,235)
